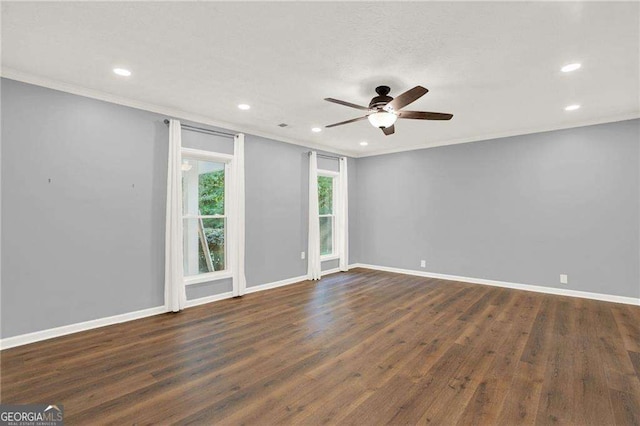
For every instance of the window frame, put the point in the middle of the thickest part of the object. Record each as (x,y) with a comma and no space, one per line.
(335,177)
(227,160)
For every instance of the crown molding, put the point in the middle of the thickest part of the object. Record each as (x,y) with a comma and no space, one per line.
(13,74)
(17,75)
(500,135)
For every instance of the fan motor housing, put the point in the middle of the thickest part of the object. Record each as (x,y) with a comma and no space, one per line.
(382,99)
(379,101)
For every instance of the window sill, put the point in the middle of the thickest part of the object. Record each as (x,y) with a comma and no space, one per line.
(329,257)
(211,276)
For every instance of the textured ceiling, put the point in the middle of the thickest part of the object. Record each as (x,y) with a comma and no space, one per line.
(495,66)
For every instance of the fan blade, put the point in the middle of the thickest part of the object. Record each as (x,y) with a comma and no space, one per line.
(406,98)
(419,115)
(389,130)
(347,122)
(345,103)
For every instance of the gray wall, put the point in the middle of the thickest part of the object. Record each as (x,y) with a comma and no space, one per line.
(83,202)
(522,209)
(276,223)
(83,195)
(90,243)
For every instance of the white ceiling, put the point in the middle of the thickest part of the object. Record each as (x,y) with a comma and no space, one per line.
(495,66)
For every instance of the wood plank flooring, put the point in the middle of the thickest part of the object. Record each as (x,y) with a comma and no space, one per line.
(362,348)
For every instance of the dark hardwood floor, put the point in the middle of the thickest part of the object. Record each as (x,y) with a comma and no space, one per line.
(362,347)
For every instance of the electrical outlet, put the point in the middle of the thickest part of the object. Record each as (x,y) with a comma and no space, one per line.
(564,279)
(302,255)
(423,263)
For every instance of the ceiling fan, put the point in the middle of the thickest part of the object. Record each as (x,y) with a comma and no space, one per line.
(383,110)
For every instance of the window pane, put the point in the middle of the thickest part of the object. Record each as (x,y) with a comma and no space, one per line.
(326,235)
(325,194)
(204,246)
(202,187)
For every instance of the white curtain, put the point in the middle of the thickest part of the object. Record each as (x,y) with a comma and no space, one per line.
(313,258)
(240,281)
(343,216)
(174,289)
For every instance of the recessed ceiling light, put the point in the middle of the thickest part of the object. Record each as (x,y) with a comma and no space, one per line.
(571,107)
(316,129)
(244,107)
(570,67)
(364,143)
(121,71)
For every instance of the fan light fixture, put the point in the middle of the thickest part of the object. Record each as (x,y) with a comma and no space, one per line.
(382,119)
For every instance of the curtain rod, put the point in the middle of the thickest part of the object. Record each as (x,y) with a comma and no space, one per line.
(326,156)
(203,130)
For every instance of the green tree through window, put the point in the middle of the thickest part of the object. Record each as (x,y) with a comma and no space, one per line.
(211,189)
(325,210)
(211,202)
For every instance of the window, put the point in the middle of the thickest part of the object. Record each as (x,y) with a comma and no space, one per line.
(327,188)
(204,209)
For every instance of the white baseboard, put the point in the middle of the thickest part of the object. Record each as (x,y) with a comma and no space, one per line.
(527,287)
(24,339)
(37,336)
(257,288)
(329,271)
(275,284)
(209,299)
(288,281)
